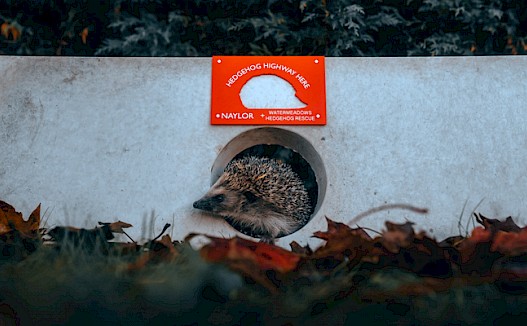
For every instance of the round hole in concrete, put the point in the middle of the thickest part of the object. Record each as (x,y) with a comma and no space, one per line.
(280,144)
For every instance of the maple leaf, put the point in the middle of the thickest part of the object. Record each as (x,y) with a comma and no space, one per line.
(264,255)
(298,249)
(342,242)
(495,241)
(117,227)
(90,239)
(399,246)
(11,220)
(397,236)
(263,262)
(510,243)
(475,254)
(495,224)
(10,30)
(85,238)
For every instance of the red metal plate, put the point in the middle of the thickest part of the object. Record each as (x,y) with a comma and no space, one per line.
(305,74)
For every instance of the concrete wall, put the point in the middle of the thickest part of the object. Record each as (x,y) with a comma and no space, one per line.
(100,139)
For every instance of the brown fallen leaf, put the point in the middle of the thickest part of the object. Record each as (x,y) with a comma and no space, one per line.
(497,225)
(11,220)
(10,30)
(117,227)
(264,263)
(399,246)
(510,243)
(89,239)
(298,249)
(342,240)
(475,255)
(496,237)
(487,246)
(265,256)
(397,236)
(158,251)
(84,35)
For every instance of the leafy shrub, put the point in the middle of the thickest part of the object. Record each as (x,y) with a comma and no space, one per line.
(264,27)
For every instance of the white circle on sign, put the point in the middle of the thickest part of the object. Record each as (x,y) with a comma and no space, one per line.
(218,115)
(318,116)
(219,61)
(316,60)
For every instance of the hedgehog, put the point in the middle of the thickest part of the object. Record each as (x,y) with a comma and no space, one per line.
(261,195)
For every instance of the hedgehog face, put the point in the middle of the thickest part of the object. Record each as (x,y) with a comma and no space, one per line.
(221,200)
(245,209)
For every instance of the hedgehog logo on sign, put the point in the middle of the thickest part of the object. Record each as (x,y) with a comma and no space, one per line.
(269,92)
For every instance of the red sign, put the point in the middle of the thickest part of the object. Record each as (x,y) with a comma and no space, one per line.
(266,90)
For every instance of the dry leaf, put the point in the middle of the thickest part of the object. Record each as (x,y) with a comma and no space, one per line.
(264,263)
(10,30)
(510,243)
(84,35)
(159,251)
(496,224)
(11,220)
(265,256)
(4,29)
(117,227)
(298,249)
(342,242)
(397,236)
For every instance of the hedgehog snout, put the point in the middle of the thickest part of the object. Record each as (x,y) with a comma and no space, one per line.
(202,204)
(208,203)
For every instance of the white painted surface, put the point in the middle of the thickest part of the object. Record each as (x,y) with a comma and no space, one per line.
(269,92)
(99,139)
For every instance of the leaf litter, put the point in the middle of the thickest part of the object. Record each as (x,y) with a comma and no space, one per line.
(398,276)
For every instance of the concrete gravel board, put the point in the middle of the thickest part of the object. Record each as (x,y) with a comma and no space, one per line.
(101,139)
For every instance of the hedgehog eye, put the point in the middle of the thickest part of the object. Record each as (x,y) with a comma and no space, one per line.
(218,198)
(251,198)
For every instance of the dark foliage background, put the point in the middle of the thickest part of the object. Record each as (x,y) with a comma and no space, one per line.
(263,27)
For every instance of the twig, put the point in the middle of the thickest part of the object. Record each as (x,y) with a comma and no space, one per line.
(473,211)
(164,229)
(374,210)
(459,226)
(129,237)
(370,229)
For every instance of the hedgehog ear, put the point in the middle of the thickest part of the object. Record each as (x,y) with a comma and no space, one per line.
(251,198)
